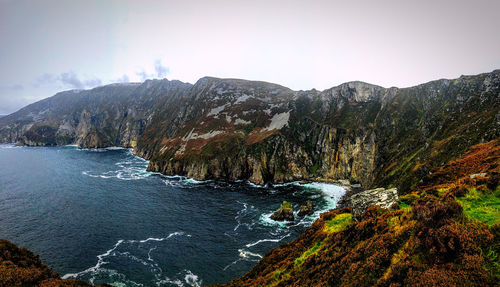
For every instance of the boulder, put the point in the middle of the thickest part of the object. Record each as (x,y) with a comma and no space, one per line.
(382,197)
(285,212)
(306,209)
(482,174)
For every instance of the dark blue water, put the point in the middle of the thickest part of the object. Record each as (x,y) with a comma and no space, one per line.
(98,216)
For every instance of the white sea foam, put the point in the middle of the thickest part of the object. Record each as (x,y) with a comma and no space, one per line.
(182,181)
(130,168)
(266,240)
(296,183)
(97,269)
(330,192)
(248,254)
(6,146)
(333,193)
(256,185)
(190,279)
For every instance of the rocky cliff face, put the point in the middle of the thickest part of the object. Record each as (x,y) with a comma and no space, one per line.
(235,129)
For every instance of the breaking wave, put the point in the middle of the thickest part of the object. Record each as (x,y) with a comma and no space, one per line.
(130,250)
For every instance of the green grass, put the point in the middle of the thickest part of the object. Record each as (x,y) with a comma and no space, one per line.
(442,191)
(338,223)
(314,168)
(311,251)
(482,206)
(286,204)
(278,276)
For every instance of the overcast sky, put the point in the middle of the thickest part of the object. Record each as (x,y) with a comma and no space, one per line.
(48,46)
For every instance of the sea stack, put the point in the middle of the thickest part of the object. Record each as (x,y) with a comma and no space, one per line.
(285,212)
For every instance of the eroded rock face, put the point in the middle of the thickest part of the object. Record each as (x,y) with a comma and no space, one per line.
(284,213)
(382,197)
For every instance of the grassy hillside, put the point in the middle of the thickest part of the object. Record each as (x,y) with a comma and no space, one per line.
(446,232)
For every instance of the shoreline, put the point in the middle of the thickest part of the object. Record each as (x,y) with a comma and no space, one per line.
(345,183)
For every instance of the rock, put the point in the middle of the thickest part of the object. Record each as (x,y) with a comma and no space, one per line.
(285,212)
(306,209)
(344,182)
(382,197)
(482,174)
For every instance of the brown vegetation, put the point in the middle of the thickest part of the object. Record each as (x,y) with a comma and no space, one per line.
(20,267)
(427,240)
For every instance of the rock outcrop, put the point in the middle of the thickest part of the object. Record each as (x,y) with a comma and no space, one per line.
(382,197)
(306,209)
(247,130)
(284,213)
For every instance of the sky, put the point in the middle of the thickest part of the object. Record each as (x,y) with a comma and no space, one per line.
(51,45)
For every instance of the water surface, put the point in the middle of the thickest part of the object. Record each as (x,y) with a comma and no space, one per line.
(98,216)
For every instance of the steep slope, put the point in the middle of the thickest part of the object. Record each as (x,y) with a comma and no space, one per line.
(235,129)
(445,233)
(20,267)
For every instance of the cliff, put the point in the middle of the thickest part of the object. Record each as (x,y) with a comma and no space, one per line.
(446,232)
(235,129)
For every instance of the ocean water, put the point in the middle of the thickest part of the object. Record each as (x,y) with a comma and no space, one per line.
(99,216)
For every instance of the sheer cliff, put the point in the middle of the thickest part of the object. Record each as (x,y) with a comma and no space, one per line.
(236,129)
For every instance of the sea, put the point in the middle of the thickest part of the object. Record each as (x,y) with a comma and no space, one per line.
(97,215)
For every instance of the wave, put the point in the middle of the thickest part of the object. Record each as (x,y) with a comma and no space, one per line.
(266,240)
(241,214)
(333,193)
(256,185)
(98,271)
(8,145)
(248,254)
(244,255)
(189,278)
(182,181)
(131,167)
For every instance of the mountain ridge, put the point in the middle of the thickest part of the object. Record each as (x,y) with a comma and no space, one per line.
(235,129)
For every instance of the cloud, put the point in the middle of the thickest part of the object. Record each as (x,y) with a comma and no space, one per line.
(68,79)
(161,71)
(143,75)
(71,79)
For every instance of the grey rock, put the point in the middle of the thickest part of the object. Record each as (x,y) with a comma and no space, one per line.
(482,174)
(382,197)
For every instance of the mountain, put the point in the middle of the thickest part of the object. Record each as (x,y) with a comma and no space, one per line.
(235,129)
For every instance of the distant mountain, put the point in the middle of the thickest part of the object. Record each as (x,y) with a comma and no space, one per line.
(236,129)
